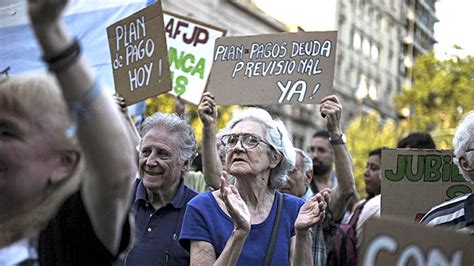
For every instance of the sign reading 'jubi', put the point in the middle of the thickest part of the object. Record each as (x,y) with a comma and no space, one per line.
(139,55)
(413,181)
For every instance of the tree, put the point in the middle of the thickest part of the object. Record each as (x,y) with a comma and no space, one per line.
(443,90)
(367,133)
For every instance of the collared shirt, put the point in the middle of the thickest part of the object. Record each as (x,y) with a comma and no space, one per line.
(457,214)
(157,231)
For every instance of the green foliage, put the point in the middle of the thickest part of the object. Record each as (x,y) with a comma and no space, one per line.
(442,92)
(367,133)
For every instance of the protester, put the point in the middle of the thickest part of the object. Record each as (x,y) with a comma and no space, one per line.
(417,140)
(327,149)
(56,206)
(458,213)
(298,185)
(212,164)
(300,177)
(167,148)
(234,224)
(208,178)
(370,207)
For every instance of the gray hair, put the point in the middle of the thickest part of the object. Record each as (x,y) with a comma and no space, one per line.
(307,162)
(279,139)
(173,124)
(461,139)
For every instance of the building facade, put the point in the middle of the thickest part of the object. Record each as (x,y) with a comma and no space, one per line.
(374,50)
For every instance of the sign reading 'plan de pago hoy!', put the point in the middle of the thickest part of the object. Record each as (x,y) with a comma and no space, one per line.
(279,68)
(139,55)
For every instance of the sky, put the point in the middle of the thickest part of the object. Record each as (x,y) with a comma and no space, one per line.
(456,19)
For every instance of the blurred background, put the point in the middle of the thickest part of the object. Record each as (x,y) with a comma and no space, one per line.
(402,66)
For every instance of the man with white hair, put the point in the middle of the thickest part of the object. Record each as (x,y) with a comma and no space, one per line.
(458,213)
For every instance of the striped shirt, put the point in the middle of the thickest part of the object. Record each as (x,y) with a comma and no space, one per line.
(457,214)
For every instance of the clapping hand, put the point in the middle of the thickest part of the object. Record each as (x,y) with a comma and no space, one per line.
(313,211)
(236,207)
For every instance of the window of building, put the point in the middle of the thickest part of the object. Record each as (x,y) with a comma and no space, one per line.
(374,53)
(356,41)
(362,88)
(373,91)
(366,47)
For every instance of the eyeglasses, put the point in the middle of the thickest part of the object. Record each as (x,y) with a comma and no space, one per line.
(468,150)
(247,141)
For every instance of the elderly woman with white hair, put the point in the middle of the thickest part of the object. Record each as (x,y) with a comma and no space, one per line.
(250,222)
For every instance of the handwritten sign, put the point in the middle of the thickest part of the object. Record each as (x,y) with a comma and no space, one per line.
(389,242)
(190,47)
(279,68)
(413,181)
(139,55)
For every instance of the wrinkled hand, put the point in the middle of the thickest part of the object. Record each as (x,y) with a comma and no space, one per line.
(331,109)
(236,207)
(44,12)
(313,211)
(207,109)
(179,106)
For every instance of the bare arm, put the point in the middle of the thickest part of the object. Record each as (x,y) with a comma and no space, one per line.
(202,253)
(311,213)
(345,190)
(102,134)
(212,166)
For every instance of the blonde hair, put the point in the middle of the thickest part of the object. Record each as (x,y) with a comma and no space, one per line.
(39,99)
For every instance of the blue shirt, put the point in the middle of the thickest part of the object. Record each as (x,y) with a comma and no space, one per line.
(157,231)
(204,220)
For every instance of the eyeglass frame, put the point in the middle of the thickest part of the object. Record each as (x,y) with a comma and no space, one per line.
(469,150)
(259,140)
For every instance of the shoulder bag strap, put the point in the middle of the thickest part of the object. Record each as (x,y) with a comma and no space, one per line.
(357,212)
(276,225)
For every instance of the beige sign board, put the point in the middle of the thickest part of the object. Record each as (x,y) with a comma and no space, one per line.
(139,55)
(413,181)
(388,242)
(190,48)
(283,68)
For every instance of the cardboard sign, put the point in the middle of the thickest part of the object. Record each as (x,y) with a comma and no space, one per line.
(413,181)
(139,55)
(387,242)
(279,68)
(190,47)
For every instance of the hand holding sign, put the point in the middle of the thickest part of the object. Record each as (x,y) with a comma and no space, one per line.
(331,109)
(207,109)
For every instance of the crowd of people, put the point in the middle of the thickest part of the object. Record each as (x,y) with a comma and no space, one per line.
(80,185)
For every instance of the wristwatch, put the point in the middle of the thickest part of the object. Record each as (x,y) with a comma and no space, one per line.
(339,141)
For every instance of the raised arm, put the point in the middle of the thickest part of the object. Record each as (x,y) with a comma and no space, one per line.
(101,129)
(212,166)
(331,108)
